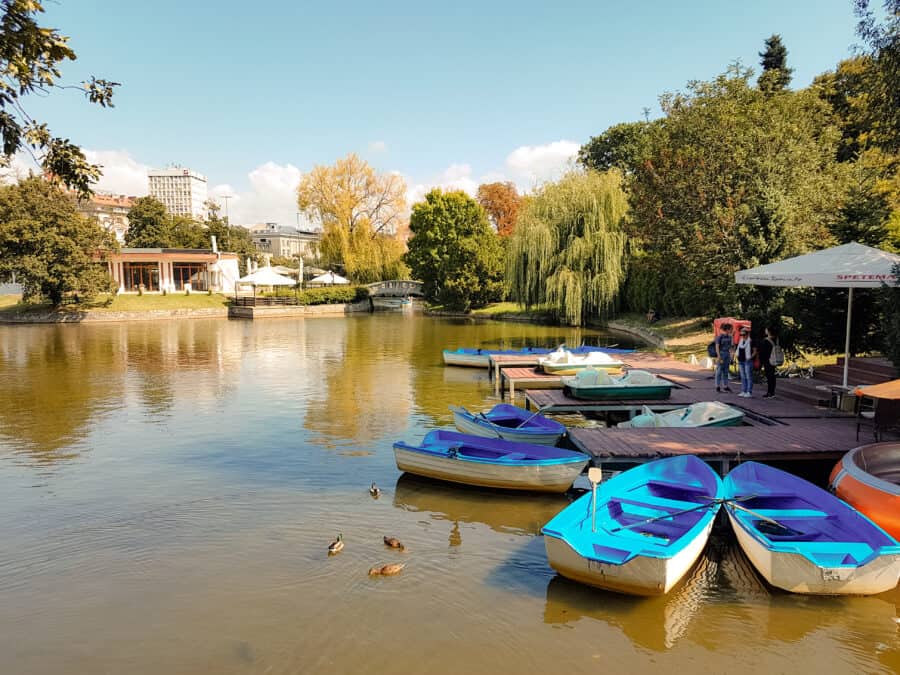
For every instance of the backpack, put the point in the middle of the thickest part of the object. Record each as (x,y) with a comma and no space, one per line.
(711,349)
(776,358)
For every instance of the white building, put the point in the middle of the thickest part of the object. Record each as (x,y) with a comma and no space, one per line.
(181,190)
(285,242)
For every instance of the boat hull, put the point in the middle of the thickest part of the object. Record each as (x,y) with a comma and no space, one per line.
(641,575)
(467,360)
(537,478)
(865,489)
(467,425)
(797,574)
(619,393)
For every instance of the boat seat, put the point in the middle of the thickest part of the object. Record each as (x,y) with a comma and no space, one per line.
(785,514)
(658,503)
(694,487)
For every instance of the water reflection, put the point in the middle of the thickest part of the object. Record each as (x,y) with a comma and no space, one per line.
(506,512)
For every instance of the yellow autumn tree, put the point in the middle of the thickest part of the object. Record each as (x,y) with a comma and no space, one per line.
(361,212)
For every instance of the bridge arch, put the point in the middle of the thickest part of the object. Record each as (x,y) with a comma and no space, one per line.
(396,288)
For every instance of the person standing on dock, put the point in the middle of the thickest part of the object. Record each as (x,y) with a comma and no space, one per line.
(746,352)
(765,356)
(724,343)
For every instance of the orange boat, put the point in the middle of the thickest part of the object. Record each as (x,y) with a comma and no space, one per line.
(868,478)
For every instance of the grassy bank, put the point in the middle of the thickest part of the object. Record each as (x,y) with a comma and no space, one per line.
(121,303)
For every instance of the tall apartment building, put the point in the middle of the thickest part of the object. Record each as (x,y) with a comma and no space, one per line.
(181,190)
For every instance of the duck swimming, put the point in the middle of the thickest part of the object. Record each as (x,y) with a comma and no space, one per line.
(386,570)
(337,545)
(393,542)
(375,491)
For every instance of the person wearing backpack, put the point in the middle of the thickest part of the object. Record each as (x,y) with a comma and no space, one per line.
(771,355)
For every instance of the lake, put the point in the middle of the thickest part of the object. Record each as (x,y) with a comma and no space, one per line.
(168,491)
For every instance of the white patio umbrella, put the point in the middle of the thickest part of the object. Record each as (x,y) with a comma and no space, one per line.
(266,276)
(848,266)
(329,278)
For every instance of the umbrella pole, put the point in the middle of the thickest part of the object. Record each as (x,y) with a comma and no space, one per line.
(847,337)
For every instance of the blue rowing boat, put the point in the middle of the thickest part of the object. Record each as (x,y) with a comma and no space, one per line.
(648,528)
(509,422)
(465,356)
(802,539)
(490,462)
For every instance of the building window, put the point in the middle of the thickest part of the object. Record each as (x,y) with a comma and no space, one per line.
(189,273)
(137,273)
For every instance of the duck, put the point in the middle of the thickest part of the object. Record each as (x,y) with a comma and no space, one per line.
(392,569)
(375,491)
(393,542)
(337,545)
(386,570)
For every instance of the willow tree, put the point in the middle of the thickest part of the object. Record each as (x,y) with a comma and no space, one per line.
(568,249)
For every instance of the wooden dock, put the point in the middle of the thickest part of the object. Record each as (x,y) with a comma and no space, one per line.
(782,429)
(820,439)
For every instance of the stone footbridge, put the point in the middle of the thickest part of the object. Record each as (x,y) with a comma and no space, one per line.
(396,289)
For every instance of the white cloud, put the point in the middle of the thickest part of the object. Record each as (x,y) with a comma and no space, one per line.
(534,164)
(272,197)
(377,146)
(454,177)
(122,174)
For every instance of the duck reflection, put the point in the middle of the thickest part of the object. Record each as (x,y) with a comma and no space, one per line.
(507,512)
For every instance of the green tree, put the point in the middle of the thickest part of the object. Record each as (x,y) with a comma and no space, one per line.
(775,76)
(149,224)
(568,249)
(883,41)
(622,147)
(48,245)
(454,251)
(890,308)
(733,178)
(30,58)
(849,91)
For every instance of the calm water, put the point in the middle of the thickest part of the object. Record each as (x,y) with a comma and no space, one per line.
(168,491)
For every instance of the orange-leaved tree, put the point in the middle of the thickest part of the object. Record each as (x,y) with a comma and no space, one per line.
(501,201)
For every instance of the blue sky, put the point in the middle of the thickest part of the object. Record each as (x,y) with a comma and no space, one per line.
(452,93)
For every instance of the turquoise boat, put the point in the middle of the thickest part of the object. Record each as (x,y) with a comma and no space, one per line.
(635,385)
(647,529)
(703,414)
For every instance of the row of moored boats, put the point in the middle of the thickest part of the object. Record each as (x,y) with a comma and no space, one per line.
(641,531)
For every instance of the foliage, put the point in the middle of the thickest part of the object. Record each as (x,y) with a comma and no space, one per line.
(848,91)
(733,178)
(30,56)
(818,320)
(890,308)
(326,295)
(622,147)
(775,76)
(568,248)
(501,202)
(360,212)
(230,238)
(883,41)
(149,224)
(51,248)
(454,252)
